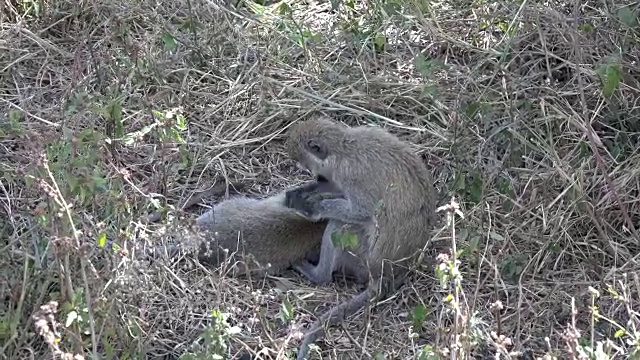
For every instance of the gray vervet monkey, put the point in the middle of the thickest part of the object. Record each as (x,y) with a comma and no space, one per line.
(264,233)
(388,202)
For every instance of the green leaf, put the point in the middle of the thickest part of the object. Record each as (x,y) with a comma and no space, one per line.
(504,187)
(614,75)
(460,183)
(181,122)
(100,183)
(257,8)
(503,26)
(82,194)
(344,239)
(190,25)
(430,90)
(418,316)
(380,41)
(472,109)
(587,27)
(115,113)
(283,9)
(462,234)
(426,67)
(392,7)
(286,312)
(427,353)
(627,17)
(379,356)
(73,184)
(15,115)
(474,242)
(614,293)
(71,317)
(610,75)
(102,240)
(619,333)
(585,150)
(170,43)
(475,190)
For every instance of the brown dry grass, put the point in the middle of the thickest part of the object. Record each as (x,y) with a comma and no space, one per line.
(551,168)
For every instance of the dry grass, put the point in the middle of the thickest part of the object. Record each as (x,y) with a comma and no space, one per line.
(503,100)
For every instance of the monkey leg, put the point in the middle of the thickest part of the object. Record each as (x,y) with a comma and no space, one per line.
(323,272)
(313,256)
(354,267)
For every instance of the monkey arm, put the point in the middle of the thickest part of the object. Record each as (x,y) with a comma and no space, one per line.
(322,200)
(341,210)
(306,198)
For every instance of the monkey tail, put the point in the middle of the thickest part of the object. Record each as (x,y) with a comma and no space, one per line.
(332,317)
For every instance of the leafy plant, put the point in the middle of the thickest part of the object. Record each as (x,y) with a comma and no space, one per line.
(212,344)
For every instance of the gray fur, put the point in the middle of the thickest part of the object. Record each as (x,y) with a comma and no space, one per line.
(389,203)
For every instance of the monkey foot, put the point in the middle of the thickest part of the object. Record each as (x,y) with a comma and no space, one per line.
(311,273)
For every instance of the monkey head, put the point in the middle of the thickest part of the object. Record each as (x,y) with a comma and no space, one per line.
(318,145)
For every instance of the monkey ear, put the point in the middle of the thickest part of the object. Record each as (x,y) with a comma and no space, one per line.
(316,149)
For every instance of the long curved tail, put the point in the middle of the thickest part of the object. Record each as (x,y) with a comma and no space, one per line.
(334,316)
(377,289)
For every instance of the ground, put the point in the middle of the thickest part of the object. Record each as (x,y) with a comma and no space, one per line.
(527,112)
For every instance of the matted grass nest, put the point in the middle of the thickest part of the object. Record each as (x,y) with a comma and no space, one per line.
(527,113)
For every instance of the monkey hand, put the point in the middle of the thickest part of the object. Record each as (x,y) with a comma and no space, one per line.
(303,202)
(316,209)
(307,200)
(311,207)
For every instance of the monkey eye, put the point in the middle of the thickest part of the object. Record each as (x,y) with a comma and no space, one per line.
(316,149)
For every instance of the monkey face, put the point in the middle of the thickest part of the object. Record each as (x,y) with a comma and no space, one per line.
(313,156)
(309,143)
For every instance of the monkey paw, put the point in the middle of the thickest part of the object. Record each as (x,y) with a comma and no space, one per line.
(304,209)
(297,200)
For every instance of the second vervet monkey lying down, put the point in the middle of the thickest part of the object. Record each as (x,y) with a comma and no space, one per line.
(263,235)
(388,202)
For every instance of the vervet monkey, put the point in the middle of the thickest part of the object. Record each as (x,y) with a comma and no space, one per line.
(388,202)
(264,233)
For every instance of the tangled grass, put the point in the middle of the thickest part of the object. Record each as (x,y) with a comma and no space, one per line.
(527,112)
